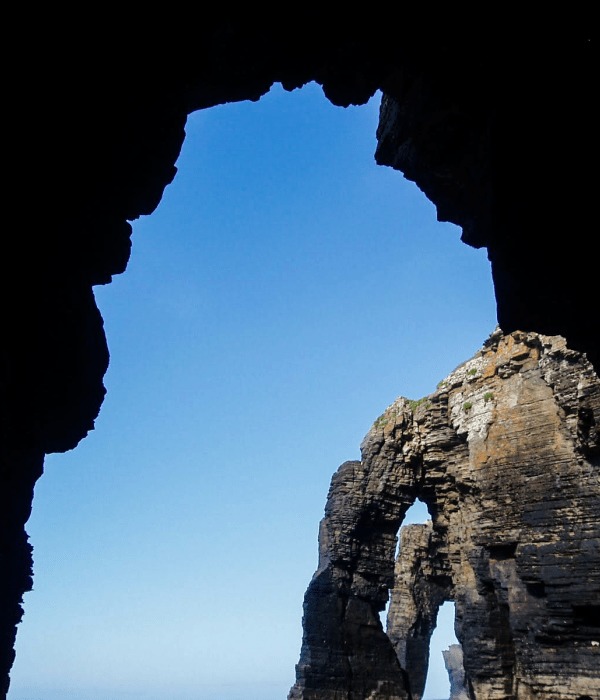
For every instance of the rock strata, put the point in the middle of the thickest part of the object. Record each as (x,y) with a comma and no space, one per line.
(506,455)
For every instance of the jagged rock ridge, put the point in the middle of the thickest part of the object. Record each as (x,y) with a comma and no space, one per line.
(453,659)
(506,455)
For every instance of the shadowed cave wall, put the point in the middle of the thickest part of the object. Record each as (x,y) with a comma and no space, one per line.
(96,124)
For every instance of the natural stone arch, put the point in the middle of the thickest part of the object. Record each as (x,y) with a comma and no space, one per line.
(115,101)
(517,407)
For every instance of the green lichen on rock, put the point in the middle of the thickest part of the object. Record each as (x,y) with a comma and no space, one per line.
(382,420)
(415,403)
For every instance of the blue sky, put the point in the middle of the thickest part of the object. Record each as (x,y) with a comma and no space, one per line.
(284,293)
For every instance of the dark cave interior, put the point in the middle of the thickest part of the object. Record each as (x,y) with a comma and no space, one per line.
(498,139)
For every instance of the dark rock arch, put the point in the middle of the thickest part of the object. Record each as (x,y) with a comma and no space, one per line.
(96,122)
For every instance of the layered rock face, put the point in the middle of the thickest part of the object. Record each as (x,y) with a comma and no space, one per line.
(506,455)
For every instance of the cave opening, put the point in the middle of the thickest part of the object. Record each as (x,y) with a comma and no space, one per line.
(417,514)
(269,349)
(437,684)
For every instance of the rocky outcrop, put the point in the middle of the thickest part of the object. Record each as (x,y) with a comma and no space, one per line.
(453,659)
(461,117)
(506,455)
(422,583)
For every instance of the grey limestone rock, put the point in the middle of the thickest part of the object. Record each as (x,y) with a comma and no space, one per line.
(453,659)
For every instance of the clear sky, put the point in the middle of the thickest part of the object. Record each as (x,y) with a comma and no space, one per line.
(284,293)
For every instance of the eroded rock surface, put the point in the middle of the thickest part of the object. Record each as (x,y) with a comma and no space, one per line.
(506,454)
(422,583)
(453,659)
